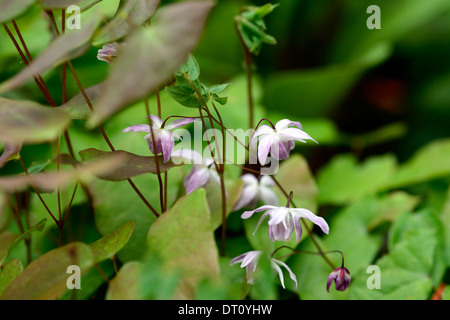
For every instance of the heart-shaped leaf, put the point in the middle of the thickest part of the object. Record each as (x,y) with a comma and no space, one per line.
(151,56)
(46,277)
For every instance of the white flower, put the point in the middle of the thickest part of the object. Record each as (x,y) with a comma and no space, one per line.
(256,189)
(278,141)
(164,137)
(283,221)
(250,262)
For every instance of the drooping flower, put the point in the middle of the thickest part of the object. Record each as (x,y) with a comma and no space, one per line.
(108,52)
(341,277)
(164,137)
(256,189)
(284,220)
(202,172)
(249,260)
(278,140)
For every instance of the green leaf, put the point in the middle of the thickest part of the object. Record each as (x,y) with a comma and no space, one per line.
(125,285)
(63,4)
(185,96)
(9,272)
(12,9)
(174,34)
(67,46)
(109,245)
(6,239)
(37,227)
(429,162)
(29,122)
(193,253)
(46,277)
(131,14)
(251,27)
(189,69)
(131,165)
(343,180)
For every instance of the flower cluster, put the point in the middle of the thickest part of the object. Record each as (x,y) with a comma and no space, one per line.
(275,141)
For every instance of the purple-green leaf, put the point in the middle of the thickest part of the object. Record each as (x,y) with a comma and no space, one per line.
(132,165)
(67,46)
(151,56)
(11,9)
(11,150)
(51,180)
(46,277)
(29,122)
(77,107)
(131,15)
(193,253)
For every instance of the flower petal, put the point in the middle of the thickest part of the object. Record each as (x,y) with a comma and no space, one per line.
(196,179)
(138,128)
(265,214)
(264,148)
(304,213)
(291,274)
(248,194)
(298,228)
(167,144)
(249,179)
(268,196)
(156,121)
(179,123)
(248,214)
(296,134)
(283,124)
(278,215)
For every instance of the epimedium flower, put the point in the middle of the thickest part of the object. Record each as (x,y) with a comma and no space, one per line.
(278,140)
(249,261)
(256,189)
(202,172)
(108,52)
(164,137)
(284,220)
(341,277)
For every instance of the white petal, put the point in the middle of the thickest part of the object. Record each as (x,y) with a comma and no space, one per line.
(291,274)
(247,195)
(248,214)
(283,124)
(296,134)
(264,148)
(304,213)
(268,196)
(278,215)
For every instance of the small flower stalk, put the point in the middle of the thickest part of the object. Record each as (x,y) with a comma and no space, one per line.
(340,276)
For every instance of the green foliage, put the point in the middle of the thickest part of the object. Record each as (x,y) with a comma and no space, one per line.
(76,190)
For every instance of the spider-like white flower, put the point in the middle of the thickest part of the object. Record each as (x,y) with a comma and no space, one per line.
(249,261)
(278,141)
(283,221)
(256,189)
(164,137)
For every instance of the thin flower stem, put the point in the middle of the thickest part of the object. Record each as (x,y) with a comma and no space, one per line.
(70,203)
(37,192)
(248,59)
(158,169)
(89,103)
(295,251)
